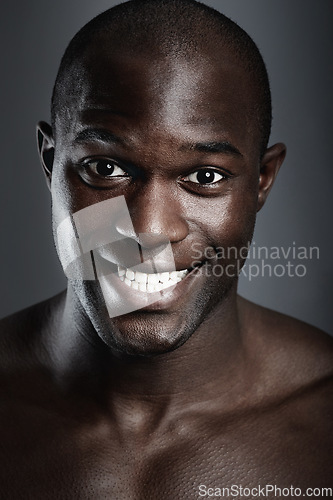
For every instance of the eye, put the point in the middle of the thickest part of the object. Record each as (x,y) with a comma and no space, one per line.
(105,168)
(205,176)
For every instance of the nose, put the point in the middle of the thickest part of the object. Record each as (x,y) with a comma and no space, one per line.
(156,215)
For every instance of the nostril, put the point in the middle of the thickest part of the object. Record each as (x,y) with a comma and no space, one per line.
(156,248)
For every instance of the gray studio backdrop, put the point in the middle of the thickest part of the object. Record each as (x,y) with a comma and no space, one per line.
(295,37)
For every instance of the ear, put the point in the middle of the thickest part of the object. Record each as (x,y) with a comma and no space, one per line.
(269,167)
(45,143)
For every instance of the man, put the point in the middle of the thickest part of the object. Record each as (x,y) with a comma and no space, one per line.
(150,377)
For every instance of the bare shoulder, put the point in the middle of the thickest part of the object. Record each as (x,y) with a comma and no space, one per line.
(22,335)
(297,355)
(292,393)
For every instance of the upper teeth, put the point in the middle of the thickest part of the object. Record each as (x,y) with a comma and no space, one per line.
(150,282)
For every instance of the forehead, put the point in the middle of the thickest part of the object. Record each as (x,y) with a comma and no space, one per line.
(201,94)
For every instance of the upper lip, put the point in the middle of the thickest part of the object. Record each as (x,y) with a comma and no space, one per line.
(149,266)
(128,252)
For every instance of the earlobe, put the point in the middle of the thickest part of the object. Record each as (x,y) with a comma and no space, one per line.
(270,165)
(46,149)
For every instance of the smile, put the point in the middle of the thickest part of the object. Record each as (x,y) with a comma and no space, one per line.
(150,283)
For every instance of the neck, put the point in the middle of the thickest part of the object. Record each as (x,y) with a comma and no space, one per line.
(209,365)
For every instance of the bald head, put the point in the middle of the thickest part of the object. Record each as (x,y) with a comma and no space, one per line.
(163,30)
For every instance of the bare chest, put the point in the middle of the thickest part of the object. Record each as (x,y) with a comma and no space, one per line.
(48,456)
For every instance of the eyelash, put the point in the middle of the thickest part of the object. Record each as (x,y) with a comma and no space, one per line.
(111,166)
(208,171)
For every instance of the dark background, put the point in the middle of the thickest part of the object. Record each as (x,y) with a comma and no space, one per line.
(295,39)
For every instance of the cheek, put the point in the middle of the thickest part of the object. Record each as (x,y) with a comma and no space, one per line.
(68,197)
(227,223)
(227,245)
(69,193)
(61,196)
(235,229)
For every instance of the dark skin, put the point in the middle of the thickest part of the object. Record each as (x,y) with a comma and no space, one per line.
(95,407)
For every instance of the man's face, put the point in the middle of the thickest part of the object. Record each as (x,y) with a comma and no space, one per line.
(176,140)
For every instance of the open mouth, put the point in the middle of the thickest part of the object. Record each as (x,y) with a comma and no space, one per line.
(150,283)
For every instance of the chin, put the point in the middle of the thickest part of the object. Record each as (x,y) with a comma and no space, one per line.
(140,333)
(146,334)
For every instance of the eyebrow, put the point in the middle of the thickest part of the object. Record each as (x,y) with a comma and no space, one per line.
(96,134)
(214,147)
(103,135)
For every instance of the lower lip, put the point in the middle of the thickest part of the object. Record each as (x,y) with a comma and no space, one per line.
(156,301)
(172,296)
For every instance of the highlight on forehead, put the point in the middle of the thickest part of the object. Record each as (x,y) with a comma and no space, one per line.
(162,28)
